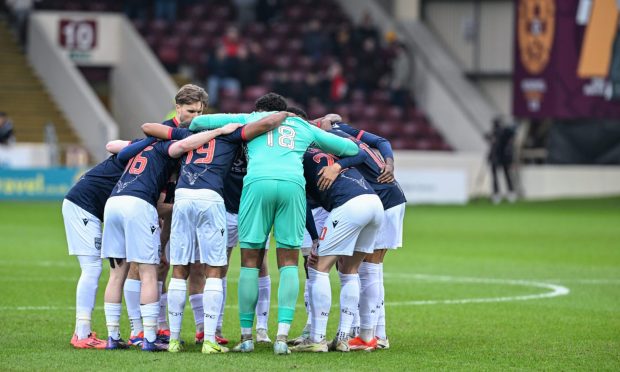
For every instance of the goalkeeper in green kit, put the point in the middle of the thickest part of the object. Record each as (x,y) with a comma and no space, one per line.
(273,195)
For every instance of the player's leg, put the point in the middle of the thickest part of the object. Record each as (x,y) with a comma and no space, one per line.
(264,302)
(232,240)
(289,223)
(143,248)
(113,247)
(112,302)
(212,238)
(256,214)
(389,237)
(320,298)
(131,291)
(163,329)
(349,298)
(196,287)
(182,254)
(83,231)
(349,269)
(320,215)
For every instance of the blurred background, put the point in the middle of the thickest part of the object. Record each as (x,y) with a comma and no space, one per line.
(506,99)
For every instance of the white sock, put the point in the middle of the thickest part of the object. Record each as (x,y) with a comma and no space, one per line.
(131,290)
(220,319)
(320,303)
(349,300)
(355,327)
(262,306)
(369,297)
(113,319)
(196,302)
(283,329)
(213,296)
(85,294)
(380,328)
(163,304)
(177,289)
(308,309)
(150,312)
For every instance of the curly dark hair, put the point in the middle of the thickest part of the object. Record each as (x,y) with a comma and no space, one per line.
(297,111)
(271,102)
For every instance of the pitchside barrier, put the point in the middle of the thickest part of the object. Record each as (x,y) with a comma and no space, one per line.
(37,183)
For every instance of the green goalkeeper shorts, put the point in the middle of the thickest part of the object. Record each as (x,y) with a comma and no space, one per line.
(272,203)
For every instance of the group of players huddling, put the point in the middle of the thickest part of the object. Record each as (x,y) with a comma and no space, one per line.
(184,196)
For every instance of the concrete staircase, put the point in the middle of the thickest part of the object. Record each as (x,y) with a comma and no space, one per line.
(24,98)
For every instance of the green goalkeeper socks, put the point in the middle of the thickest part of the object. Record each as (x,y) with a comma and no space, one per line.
(248,295)
(288,289)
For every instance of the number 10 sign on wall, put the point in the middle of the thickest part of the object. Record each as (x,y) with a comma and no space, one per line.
(79,38)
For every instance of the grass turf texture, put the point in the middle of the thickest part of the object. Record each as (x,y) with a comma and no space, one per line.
(574,244)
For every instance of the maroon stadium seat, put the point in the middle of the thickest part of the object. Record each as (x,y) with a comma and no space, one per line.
(252,93)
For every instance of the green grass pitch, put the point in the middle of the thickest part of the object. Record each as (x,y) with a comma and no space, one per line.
(475,287)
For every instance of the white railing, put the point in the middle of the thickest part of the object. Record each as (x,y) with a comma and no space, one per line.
(70,91)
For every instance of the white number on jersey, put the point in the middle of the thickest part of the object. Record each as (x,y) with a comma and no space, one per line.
(286,138)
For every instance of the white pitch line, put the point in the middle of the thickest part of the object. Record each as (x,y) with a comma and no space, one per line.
(555,291)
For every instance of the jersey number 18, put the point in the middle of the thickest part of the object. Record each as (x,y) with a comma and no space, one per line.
(286,138)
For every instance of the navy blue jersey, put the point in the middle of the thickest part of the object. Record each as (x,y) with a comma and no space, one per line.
(93,189)
(147,173)
(233,183)
(207,166)
(371,139)
(390,193)
(173,123)
(349,184)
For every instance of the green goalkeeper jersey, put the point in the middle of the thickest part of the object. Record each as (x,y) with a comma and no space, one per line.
(278,154)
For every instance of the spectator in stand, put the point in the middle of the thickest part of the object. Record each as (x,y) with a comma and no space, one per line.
(342,41)
(221,69)
(248,67)
(315,42)
(6,130)
(366,30)
(231,41)
(313,87)
(401,76)
(282,84)
(20,12)
(136,9)
(337,84)
(369,69)
(246,12)
(268,10)
(500,155)
(166,9)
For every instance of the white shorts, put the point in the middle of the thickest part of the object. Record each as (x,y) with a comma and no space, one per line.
(198,230)
(83,230)
(390,235)
(352,227)
(320,215)
(232,225)
(130,230)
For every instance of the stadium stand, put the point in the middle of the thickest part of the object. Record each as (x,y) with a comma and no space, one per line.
(24,97)
(287,50)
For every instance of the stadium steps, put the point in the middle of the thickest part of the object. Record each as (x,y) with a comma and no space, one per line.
(24,98)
